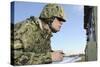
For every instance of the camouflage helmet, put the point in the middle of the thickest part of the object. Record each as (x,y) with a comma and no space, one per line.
(53,10)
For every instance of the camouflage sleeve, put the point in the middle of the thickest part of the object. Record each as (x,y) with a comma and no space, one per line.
(27,58)
(29,45)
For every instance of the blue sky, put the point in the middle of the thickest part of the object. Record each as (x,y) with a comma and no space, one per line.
(71,38)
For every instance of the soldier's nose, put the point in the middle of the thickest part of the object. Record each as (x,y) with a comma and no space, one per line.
(61,22)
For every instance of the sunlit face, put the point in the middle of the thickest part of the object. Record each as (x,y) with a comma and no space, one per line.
(56,25)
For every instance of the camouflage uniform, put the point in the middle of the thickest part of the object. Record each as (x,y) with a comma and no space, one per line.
(30,44)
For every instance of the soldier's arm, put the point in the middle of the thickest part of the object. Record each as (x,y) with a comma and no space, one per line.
(26,58)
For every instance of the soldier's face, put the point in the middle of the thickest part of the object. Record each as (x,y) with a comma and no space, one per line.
(56,25)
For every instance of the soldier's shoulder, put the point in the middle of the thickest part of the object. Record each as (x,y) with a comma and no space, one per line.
(29,22)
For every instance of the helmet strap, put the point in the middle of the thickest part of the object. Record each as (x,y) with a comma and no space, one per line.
(50,24)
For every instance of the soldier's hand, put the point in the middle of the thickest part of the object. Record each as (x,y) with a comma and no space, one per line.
(57,56)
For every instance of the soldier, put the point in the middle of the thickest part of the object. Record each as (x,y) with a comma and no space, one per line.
(30,39)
